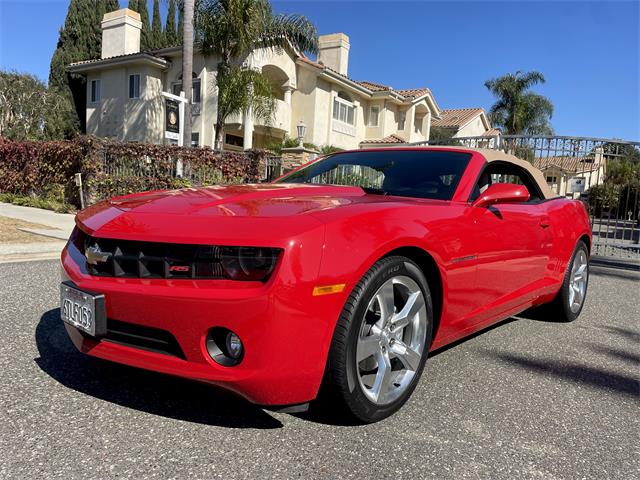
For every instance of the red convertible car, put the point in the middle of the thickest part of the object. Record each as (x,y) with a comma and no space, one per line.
(343,274)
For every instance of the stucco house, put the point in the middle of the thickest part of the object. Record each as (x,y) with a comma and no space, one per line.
(125,85)
(571,175)
(464,122)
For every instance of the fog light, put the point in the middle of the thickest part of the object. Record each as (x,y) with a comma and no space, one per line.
(224,346)
(234,346)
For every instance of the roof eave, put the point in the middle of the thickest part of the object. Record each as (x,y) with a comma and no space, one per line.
(325,72)
(145,58)
(428,96)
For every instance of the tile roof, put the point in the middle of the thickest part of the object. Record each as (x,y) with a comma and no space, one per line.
(414,92)
(492,132)
(455,118)
(126,55)
(393,138)
(585,163)
(374,87)
(408,94)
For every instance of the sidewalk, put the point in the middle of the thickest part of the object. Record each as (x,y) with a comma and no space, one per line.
(54,236)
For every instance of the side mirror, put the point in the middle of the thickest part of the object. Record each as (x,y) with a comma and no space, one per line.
(502,193)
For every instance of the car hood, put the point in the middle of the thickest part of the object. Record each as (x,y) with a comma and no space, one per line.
(229,214)
(260,200)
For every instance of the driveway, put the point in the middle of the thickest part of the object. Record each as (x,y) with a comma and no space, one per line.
(525,399)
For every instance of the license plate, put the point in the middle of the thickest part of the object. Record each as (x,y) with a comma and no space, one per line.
(84,310)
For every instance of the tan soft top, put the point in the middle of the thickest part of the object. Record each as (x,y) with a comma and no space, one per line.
(497,155)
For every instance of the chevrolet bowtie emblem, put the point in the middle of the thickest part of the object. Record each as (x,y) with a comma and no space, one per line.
(95,255)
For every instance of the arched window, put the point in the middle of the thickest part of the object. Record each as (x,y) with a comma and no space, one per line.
(343,109)
(278,79)
(195,87)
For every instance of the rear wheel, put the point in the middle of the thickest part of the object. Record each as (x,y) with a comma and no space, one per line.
(382,339)
(568,303)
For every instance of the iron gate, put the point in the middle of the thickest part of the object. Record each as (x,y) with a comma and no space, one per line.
(604,173)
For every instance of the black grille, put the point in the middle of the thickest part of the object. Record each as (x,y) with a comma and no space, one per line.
(145,338)
(133,259)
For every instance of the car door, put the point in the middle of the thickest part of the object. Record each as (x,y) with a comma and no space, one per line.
(514,245)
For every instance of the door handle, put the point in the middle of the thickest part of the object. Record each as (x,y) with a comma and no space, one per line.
(545,222)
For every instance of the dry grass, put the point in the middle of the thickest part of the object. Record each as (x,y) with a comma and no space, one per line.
(9,232)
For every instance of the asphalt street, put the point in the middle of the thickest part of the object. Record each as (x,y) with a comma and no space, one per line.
(529,398)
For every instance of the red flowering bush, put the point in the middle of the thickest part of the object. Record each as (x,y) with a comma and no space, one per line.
(111,168)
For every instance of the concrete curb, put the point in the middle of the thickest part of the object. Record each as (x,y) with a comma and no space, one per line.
(19,252)
(57,234)
(614,262)
(32,257)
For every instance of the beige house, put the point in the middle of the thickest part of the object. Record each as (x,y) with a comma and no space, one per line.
(571,175)
(124,95)
(464,122)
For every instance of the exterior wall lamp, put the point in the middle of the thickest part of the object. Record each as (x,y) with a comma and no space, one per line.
(302,130)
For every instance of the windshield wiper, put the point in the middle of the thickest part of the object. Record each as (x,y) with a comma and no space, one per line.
(374,191)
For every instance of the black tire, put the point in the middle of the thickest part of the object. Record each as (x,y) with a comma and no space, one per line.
(341,380)
(559,308)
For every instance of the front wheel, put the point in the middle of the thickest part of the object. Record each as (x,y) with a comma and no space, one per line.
(381,340)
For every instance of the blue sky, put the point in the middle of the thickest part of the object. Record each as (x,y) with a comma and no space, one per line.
(589,52)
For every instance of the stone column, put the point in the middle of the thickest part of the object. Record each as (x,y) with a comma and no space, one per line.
(248,130)
(287,95)
(296,156)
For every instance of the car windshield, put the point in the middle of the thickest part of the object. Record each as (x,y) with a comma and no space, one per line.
(409,173)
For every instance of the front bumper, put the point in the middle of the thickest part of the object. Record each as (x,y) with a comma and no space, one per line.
(286,331)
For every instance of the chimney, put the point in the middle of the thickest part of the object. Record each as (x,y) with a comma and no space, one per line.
(333,51)
(120,33)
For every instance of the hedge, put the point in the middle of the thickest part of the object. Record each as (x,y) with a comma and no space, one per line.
(46,168)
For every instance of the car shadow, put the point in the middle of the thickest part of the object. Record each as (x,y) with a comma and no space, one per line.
(138,389)
(594,377)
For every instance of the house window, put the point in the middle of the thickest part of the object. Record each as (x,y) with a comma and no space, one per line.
(195,90)
(234,140)
(402,120)
(343,109)
(134,86)
(552,179)
(95,91)
(195,139)
(374,116)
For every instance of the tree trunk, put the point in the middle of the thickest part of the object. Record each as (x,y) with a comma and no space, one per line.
(187,67)
(218,145)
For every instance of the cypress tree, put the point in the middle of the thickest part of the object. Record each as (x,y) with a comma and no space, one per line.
(77,41)
(157,36)
(146,40)
(133,5)
(170,34)
(180,22)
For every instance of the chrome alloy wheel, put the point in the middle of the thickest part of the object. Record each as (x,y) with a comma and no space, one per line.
(578,280)
(391,340)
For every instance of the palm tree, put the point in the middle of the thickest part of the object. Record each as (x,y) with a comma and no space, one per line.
(187,66)
(519,110)
(232,29)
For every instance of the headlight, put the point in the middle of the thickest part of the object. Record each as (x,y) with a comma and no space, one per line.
(248,263)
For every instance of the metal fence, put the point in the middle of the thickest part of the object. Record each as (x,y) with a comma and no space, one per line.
(272,168)
(120,166)
(604,173)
